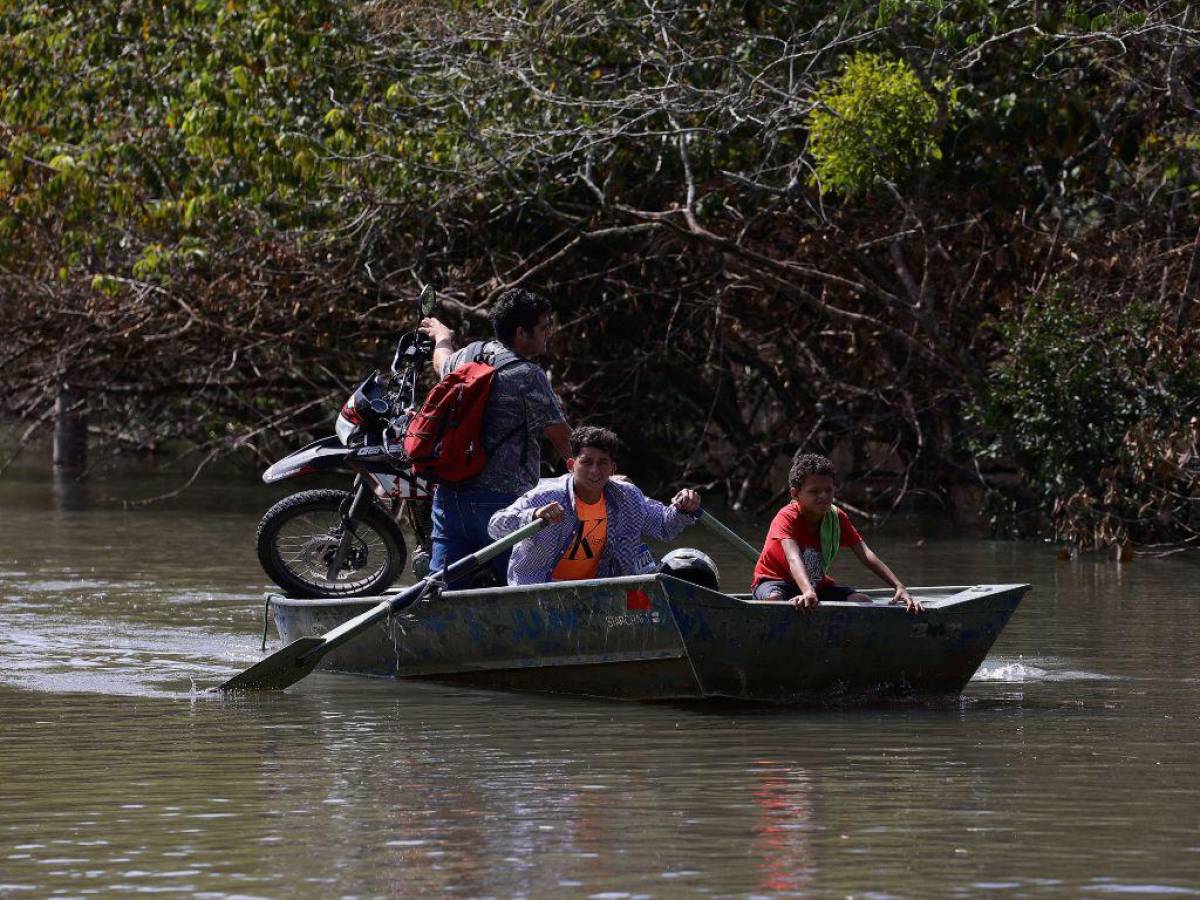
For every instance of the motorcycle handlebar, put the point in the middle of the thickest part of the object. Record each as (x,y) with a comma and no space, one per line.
(415,348)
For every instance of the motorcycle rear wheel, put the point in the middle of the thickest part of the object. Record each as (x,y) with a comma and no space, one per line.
(299,535)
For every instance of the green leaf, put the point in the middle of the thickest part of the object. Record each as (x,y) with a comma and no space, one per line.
(106,284)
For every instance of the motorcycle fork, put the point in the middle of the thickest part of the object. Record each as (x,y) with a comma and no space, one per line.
(349,511)
(416,513)
(418,516)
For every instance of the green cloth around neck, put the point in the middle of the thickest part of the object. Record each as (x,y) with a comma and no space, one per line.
(831,538)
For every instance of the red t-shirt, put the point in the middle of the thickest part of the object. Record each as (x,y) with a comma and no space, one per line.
(788,523)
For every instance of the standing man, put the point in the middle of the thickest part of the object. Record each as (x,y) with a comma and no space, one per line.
(521,409)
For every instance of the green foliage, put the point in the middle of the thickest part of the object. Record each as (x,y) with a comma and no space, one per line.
(141,123)
(874,121)
(204,196)
(1089,406)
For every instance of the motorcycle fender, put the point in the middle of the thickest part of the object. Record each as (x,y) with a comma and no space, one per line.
(325,455)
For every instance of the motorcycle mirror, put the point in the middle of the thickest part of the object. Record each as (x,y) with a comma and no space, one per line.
(427,300)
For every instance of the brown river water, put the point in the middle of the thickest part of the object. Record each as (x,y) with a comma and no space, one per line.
(1070,766)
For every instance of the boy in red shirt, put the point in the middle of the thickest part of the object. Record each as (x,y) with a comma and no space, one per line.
(804,538)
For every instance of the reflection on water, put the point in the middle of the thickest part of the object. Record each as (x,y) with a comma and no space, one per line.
(783,846)
(1070,764)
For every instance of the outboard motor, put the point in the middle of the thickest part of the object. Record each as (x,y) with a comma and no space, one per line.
(692,565)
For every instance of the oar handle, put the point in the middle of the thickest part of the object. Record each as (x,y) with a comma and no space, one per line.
(716,527)
(289,664)
(470,564)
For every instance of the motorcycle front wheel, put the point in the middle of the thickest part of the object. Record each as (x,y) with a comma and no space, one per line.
(299,535)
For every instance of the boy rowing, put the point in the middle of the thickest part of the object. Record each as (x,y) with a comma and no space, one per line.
(596,524)
(804,538)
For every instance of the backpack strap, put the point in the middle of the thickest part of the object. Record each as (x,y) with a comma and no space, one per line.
(485,352)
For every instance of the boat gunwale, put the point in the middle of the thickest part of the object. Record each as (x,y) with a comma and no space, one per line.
(948,595)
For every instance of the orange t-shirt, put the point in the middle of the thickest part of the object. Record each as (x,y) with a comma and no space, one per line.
(581,559)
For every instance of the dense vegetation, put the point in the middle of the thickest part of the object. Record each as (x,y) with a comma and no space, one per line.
(946,242)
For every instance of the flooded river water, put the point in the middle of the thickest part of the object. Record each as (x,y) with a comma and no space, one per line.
(1071,765)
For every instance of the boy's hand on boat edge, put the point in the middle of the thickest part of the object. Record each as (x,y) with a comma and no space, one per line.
(911,604)
(806,600)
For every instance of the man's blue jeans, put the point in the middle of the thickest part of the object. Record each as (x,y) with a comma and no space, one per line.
(460,522)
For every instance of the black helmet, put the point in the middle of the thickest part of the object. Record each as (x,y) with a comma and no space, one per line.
(692,565)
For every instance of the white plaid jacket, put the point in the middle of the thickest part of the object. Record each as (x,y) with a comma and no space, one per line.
(632,517)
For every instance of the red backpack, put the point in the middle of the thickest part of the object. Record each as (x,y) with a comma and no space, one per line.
(444,438)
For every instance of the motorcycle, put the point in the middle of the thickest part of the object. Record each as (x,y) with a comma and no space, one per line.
(334,543)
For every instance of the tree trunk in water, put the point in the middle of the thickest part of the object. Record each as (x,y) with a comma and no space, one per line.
(70,430)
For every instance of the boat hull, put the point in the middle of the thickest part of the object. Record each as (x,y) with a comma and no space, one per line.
(770,651)
(659,638)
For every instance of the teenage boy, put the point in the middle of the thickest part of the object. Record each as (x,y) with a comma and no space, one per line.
(596,525)
(804,538)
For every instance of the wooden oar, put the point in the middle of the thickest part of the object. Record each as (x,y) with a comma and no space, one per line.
(289,664)
(710,522)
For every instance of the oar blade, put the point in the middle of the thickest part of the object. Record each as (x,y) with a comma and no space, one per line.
(281,669)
